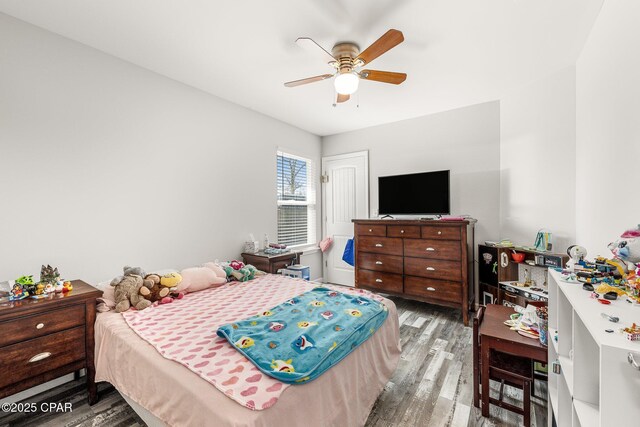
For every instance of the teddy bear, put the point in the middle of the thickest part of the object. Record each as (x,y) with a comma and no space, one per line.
(127,293)
(152,290)
(161,290)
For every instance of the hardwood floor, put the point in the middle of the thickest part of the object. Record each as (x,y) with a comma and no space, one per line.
(433,384)
(431,387)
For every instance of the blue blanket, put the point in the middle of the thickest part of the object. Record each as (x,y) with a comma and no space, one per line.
(296,341)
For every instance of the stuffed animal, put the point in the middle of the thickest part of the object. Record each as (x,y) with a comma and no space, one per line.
(152,290)
(237,270)
(626,249)
(127,293)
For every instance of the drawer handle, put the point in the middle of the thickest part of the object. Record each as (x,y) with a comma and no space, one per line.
(39,356)
(378,262)
(401,231)
(430,249)
(370,231)
(431,269)
(431,289)
(378,280)
(632,361)
(378,245)
(40,326)
(439,232)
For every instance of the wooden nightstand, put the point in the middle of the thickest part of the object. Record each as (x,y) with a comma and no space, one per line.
(271,263)
(47,338)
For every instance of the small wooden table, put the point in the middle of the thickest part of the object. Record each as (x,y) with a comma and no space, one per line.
(271,263)
(494,334)
(47,338)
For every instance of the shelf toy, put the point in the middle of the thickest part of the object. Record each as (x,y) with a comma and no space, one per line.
(632,333)
(18,292)
(626,251)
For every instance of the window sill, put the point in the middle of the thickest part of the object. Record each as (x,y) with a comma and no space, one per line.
(306,249)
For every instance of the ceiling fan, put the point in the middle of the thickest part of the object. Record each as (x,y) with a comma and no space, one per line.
(347,59)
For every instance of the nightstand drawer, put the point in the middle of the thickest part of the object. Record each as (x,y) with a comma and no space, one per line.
(34,357)
(29,327)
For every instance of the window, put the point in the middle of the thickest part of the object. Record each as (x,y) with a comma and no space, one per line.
(296,200)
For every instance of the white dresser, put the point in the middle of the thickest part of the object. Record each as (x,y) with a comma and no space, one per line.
(598,385)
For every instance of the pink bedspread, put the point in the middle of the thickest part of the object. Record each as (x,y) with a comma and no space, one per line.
(171,330)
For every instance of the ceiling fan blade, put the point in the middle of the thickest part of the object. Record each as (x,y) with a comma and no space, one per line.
(388,41)
(342,98)
(383,76)
(316,49)
(295,83)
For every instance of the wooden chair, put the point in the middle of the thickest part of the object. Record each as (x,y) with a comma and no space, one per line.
(507,369)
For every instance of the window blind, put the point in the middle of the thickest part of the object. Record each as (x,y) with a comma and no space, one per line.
(296,199)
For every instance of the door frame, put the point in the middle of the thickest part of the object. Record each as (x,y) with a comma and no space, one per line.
(363,153)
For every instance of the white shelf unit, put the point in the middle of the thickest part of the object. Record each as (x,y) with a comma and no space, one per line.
(596,386)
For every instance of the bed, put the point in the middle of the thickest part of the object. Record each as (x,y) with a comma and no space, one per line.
(164,392)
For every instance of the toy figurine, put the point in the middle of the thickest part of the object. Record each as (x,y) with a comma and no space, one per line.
(18,292)
(67,287)
(49,274)
(27,284)
(49,288)
(626,251)
(59,286)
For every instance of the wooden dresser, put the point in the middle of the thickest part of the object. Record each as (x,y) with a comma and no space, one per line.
(48,338)
(429,261)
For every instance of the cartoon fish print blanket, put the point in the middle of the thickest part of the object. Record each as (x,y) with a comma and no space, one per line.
(298,340)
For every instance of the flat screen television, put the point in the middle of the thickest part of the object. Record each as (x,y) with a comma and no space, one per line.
(425,193)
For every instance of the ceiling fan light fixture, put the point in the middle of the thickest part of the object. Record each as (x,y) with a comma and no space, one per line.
(347,83)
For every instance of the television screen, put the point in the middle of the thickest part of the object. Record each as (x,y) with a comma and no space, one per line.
(424,193)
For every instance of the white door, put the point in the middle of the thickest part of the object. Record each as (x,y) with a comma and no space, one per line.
(345,192)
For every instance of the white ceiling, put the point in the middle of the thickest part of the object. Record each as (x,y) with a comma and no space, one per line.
(456,52)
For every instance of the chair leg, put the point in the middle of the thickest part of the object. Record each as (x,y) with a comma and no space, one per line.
(501,390)
(533,376)
(526,390)
(477,381)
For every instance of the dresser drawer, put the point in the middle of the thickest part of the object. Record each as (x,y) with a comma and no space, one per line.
(410,231)
(371,230)
(441,232)
(437,249)
(24,328)
(34,357)
(433,268)
(379,262)
(383,281)
(442,290)
(380,245)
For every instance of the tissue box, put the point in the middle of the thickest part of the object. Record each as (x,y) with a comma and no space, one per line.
(251,247)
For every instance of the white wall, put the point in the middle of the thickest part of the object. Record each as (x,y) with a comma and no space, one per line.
(608,127)
(537,160)
(466,141)
(104,164)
